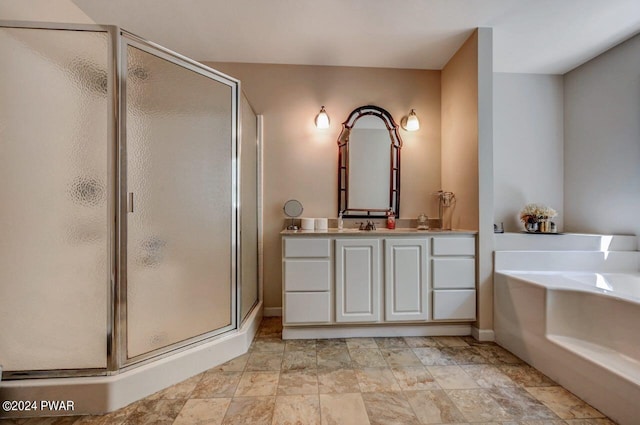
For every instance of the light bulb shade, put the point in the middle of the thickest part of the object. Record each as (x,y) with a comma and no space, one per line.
(322,119)
(412,123)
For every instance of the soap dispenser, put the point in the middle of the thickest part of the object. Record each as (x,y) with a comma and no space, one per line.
(391,220)
(340,221)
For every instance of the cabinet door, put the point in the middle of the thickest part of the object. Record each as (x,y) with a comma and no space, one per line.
(406,288)
(357,280)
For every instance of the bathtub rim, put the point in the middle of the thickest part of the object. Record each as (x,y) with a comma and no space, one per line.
(571,285)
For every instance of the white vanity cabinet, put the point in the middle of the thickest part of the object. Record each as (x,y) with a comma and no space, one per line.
(307,271)
(332,280)
(357,280)
(453,268)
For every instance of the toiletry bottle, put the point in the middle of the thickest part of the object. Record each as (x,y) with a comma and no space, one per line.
(340,221)
(423,222)
(391,220)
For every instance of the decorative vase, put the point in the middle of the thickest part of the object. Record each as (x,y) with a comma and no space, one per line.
(531,227)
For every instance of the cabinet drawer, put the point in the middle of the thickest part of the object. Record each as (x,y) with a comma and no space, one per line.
(306,247)
(454,273)
(454,304)
(454,246)
(307,307)
(307,275)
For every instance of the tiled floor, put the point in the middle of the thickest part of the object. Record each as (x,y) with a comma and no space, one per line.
(359,381)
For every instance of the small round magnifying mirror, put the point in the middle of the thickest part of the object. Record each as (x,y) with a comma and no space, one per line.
(292,209)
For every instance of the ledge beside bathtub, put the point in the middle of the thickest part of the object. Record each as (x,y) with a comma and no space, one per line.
(564,242)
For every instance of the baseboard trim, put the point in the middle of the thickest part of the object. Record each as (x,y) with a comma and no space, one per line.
(483,334)
(272,312)
(341,331)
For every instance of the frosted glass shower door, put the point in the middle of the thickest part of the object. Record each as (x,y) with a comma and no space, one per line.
(55,206)
(180,176)
(249,208)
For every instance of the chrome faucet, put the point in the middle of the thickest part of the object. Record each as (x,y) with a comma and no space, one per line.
(369,226)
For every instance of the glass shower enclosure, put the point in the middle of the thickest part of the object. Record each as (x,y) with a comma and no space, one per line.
(120,180)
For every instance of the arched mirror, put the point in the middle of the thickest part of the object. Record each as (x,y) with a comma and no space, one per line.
(369,164)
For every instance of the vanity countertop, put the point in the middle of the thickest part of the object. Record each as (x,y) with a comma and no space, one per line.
(380,231)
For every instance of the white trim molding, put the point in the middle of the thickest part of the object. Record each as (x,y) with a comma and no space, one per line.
(308,332)
(483,334)
(272,312)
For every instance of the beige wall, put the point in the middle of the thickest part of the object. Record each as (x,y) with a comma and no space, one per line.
(460,133)
(43,11)
(300,161)
(467,155)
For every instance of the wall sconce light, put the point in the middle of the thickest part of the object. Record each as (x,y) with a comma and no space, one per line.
(410,122)
(322,119)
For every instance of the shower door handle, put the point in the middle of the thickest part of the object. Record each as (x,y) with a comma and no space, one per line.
(130,202)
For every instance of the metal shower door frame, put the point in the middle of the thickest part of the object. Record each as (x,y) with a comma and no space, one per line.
(119,337)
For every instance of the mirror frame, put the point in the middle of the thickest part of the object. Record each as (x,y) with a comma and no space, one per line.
(343,164)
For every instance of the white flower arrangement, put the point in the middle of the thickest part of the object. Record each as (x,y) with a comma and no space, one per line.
(534,213)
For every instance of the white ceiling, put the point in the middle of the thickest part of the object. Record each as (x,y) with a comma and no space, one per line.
(530,36)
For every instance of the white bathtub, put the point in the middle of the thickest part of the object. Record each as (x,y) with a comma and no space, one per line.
(582,329)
